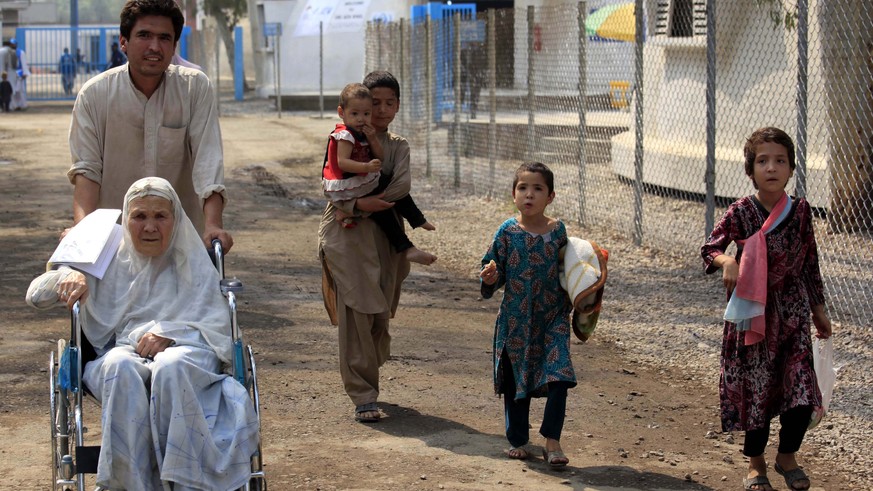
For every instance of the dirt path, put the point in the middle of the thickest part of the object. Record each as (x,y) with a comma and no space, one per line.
(628,427)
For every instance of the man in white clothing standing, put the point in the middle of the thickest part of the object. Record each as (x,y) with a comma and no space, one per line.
(22,71)
(149,118)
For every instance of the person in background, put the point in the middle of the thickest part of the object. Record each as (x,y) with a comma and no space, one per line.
(67,69)
(9,65)
(116,58)
(22,71)
(5,92)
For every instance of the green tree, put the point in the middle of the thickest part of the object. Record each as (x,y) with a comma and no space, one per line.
(780,13)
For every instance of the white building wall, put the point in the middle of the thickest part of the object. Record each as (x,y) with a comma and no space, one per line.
(556,65)
(756,86)
(343,52)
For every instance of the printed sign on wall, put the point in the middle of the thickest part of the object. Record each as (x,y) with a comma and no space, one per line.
(315,12)
(349,16)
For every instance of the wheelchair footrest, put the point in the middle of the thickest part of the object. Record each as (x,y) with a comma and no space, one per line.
(86,459)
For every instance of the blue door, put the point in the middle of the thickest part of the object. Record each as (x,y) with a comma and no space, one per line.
(441,16)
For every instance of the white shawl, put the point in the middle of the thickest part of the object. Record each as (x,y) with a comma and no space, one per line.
(168,295)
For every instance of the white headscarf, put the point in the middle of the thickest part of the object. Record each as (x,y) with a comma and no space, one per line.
(177,290)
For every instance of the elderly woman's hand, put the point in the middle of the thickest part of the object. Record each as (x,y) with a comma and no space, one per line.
(73,288)
(151,344)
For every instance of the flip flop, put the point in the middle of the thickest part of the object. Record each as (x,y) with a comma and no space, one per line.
(793,476)
(370,407)
(523,452)
(555,459)
(759,481)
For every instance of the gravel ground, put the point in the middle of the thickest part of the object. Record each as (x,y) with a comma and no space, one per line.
(658,310)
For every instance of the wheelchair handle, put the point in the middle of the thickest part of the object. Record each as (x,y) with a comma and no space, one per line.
(219,257)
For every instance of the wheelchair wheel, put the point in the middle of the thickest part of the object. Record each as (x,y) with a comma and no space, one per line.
(53,412)
(60,419)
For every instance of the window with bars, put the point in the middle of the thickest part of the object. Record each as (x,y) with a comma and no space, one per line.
(680,18)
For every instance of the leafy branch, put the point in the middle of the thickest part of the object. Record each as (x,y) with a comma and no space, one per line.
(781,15)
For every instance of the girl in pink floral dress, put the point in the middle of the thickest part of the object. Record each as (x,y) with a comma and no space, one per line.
(766,359)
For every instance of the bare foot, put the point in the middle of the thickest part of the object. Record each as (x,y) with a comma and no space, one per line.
(345,220)
(416,255)
(518,453)
(428,226)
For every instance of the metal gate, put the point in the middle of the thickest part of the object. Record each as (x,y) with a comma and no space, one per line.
(443,38)
(90,49)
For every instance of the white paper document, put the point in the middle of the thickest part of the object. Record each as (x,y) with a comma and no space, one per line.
(91,244)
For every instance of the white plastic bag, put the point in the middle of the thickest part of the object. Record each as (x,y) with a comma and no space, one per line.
(823,359)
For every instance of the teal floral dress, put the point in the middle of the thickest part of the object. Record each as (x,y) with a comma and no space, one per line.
(533,324)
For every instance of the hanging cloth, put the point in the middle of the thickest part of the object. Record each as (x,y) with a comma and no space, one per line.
(749,298)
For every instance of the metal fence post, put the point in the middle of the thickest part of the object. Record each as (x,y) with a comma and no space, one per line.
(428,99)
(638,107)
(379,64)
(492,98)
(802,96)
(404,82)
(218,42)
(709,176)
(456,56)
(238,64)
(531,125)
(321,69)
(581,12)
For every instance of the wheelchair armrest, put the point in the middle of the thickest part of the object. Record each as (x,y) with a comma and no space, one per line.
(231,285)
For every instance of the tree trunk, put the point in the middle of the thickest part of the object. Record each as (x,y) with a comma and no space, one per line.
(847,31)
(226,32)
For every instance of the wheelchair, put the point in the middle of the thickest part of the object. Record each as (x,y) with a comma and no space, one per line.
(72,460)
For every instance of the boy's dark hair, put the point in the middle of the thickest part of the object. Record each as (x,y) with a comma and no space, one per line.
(769,134)
(382,78)
(537,168)
(353,91)
(134,9)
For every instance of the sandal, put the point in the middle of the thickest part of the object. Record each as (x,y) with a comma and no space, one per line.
(522,452)
(365,413)
(555,459)
(793,476)
(761,481)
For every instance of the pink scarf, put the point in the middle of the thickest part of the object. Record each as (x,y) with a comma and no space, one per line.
(752,279)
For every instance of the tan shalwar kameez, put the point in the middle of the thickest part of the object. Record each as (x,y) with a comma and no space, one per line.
(118,136)
(362,275)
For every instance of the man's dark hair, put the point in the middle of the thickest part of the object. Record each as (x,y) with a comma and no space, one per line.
(134,9)
(382,78)
(766,135)
(536,168)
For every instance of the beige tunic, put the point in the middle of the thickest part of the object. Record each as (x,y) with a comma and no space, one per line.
(362,276)
(117,136)
(361,262)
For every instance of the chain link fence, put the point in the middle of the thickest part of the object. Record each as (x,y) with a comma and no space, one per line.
(666,113)
(53,77)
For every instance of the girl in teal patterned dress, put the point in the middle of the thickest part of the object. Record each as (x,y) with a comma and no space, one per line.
(532,332)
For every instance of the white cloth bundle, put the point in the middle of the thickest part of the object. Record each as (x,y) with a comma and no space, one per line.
(583,274)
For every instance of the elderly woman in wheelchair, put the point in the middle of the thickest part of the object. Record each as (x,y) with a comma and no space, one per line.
(160,326)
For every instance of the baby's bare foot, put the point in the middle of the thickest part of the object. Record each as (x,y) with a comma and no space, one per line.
(428,226)
(416,255)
